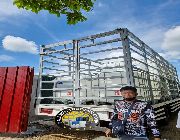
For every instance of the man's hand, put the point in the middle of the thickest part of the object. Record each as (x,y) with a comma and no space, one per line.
(108,132)
(157,139)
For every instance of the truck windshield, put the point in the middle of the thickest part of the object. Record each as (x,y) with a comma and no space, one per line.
(64,84)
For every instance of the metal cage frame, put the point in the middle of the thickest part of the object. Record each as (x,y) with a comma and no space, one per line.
(154,77)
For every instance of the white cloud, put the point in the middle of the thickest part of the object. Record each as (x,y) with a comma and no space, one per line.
(100,4)
(150,31)
(5,58)
(171,56)
(18,44)
(172,39)
(171,43)
(154,37)
(7,9)
(153,33)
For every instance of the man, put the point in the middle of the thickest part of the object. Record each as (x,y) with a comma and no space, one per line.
(140,117)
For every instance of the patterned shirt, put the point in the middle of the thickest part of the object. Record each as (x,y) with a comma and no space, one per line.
(141,116)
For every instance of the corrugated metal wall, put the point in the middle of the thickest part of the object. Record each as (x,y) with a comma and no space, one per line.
(15,96)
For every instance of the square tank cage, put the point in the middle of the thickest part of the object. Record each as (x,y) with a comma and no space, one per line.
(97,66)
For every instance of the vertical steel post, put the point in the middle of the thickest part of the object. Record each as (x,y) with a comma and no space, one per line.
(90,75)
(177,81)
(105,86)
(148,75)
(77,73)
(40,72)
(158,62)
(73,73)
(127,57)
(69,66)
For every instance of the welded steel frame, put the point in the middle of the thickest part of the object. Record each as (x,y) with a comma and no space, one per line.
(127,41)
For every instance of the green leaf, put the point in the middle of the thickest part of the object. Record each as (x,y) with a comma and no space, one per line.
(71,8)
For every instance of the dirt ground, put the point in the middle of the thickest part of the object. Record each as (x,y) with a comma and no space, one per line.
(169,131)
(52,132)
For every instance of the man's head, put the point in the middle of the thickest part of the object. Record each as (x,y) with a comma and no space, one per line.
(129,93)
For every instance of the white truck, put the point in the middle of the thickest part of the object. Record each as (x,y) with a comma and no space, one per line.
(88,72)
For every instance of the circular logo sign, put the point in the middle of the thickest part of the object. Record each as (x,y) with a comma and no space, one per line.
(77,118)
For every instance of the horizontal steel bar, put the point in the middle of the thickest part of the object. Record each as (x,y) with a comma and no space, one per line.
(135,45)
(107,97)
(58,89)
(116,31)
(63,58)
(52,69)
(62,97)
(105,87)
(134,37)
(159,110)
(102,51)
(112,77)
(158,55)
(50,62)
(147,53)
(59,44)
(160,118)
(57,51)
(55,59)
(146,71)
(65,97)
(101,43)
(47,81)
(109,58)
(103,68)
(141,42)
(137,52)
(145,64)
(64,72)
(89,60)
(160,114)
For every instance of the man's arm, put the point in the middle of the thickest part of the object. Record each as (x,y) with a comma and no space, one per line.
(151,121)
(114,116)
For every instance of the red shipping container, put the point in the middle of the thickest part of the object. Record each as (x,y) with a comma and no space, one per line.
(27,100)
(7,99)
(15,98)
(19,96)
(3,72)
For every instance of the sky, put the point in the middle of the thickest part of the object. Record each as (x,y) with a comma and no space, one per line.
(156,22)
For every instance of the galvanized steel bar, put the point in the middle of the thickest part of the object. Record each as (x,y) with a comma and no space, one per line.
(127,57)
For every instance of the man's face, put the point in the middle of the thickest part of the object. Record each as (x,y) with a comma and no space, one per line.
(128,94)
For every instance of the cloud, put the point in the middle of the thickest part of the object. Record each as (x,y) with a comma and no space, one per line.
(172,56)
(151,31)
(7,9)
(45,29)
(100,4)
(18,44)
(149,27)
(172,39)
(5,58)
(171,43)
(154,37)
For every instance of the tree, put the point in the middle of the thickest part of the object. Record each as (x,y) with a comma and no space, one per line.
(71,8)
